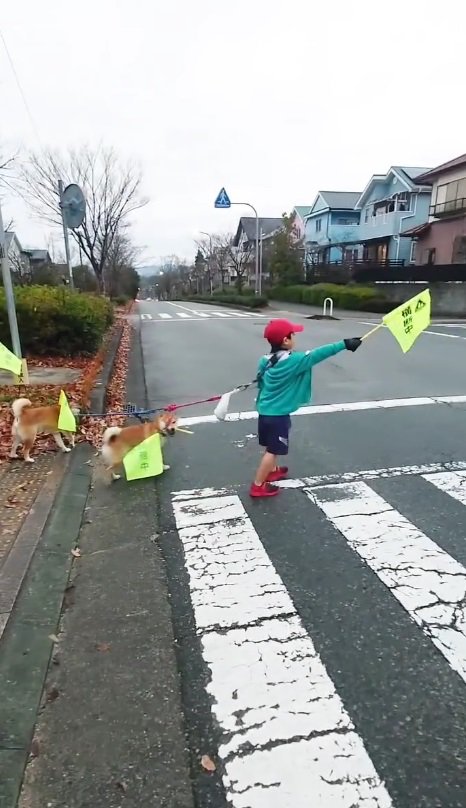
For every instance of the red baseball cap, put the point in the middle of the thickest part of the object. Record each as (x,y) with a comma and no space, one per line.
(276,331)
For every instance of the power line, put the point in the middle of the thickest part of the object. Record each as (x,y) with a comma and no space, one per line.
(20,88)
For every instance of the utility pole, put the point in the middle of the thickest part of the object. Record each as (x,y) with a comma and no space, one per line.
(210,259)
(10,300)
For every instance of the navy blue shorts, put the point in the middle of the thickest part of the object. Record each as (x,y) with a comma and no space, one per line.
(273,432)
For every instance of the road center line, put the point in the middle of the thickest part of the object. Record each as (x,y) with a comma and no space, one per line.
(428,582)
(284,730)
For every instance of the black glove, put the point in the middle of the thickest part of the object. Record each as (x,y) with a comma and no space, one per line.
(352,344)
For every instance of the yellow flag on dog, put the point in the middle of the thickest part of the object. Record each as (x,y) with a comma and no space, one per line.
(409,320)
(66,419)
(8,361)
(145,460)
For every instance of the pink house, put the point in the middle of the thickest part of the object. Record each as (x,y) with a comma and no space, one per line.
(442,239)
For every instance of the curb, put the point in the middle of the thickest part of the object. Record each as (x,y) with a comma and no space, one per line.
(32,586)
(97,403)
(29,639)
(19,558)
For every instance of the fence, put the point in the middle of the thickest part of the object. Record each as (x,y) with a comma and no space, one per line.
(396,272)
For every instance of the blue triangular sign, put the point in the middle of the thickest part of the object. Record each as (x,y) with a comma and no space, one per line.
(223,200)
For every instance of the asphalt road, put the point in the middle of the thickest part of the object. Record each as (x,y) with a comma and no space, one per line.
(321,635)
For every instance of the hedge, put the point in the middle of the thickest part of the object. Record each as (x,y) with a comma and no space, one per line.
(54,321)
(248,301)
(358,298)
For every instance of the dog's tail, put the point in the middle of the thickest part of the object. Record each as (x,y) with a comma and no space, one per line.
(18,406)
(110,434)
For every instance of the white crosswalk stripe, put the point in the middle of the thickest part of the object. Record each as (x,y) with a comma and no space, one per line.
(284,730)
(200,316)
(267,681)
(426,580)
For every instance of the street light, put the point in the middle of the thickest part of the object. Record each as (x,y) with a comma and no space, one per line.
(223,201)
(210,258)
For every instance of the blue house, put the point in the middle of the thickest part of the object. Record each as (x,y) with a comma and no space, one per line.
(390,204)
(331,227)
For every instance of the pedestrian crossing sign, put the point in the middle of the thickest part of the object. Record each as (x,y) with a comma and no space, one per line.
(223,200)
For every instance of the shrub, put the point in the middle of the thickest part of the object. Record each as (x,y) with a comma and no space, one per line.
(57,321)
(229,299)
(358,298)
(121,300)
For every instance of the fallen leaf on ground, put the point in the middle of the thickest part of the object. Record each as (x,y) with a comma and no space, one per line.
(76,552)
(54,638)
(52,694)
(122,786)
(103,646)
(35,748)
(207,763)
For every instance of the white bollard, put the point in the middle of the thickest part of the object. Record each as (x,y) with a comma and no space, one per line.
(330,308)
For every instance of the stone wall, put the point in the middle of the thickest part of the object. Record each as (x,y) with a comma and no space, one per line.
(448,299)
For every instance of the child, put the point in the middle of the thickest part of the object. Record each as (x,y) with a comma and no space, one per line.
(284,381)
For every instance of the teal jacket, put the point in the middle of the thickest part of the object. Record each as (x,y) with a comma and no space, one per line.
(287,386)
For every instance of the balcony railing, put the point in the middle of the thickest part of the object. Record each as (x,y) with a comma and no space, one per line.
(448,208)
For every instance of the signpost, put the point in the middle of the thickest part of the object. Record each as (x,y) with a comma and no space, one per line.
(223,202)
(73,211)
(10,303)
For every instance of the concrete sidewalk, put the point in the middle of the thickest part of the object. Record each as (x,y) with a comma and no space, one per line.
(110,728)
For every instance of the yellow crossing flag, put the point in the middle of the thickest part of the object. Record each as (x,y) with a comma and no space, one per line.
(145,460)
(66,419)
(407,321)
(8,361)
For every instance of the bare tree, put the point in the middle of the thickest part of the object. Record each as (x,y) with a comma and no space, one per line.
(206,249)
(121,259)
(222,250)
(20,268)
(239,260)
(112,191)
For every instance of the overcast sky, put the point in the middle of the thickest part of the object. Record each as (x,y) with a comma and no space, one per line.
(274,100)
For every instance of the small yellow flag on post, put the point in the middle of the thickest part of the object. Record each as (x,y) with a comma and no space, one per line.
(66,419)
(8,361)
(409,320)
(145,460)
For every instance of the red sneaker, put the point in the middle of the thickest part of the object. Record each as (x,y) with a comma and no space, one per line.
(280,473)
(264,490)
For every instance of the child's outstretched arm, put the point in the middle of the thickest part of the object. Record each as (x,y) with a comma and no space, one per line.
(308,359)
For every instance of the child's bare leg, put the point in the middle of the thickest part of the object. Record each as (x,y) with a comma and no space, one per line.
(267,465)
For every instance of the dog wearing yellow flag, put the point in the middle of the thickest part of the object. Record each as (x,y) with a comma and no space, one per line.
(118,441)
(29,421)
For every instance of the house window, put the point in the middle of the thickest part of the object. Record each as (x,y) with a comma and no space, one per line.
(412,254)
(318,225)
(430,256)
(451,196)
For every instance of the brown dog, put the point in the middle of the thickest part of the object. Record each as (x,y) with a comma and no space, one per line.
(28,421)
(117,441)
